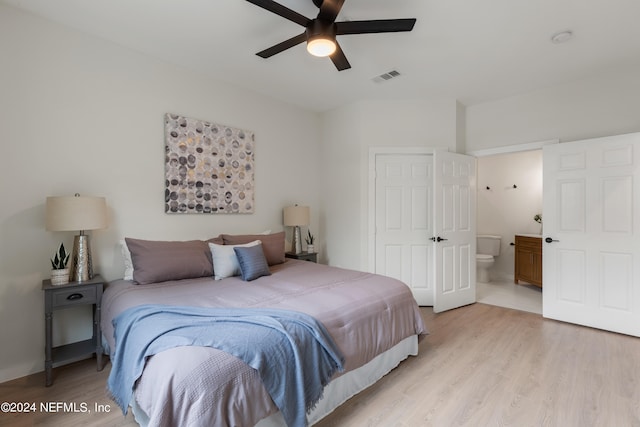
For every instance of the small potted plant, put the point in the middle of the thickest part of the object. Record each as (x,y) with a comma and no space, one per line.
(538,218)
(59,270)
(310,239)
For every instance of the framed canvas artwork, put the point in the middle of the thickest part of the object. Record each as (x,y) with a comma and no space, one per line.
(209,167)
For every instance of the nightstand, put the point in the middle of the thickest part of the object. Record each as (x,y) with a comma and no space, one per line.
(66,296)
(305,256)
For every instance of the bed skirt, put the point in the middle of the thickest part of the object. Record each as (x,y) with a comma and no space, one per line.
(337,391)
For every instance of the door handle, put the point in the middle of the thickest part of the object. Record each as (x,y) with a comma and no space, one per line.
(438,239)
(549,240)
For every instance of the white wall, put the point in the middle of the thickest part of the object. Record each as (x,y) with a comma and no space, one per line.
(603,105)
(348,134)
(461,128)
(505,211)
(83,115)
(340,195)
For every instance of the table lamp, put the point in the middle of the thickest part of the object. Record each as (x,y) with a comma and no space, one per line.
(295,216)
(81,213)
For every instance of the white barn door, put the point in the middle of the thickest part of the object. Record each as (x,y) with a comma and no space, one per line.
(591,252)
(404,221)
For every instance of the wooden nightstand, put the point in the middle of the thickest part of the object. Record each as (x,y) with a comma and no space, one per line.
(305,256)
(65,296)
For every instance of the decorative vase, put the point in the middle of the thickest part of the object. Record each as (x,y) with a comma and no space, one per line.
(60,277)
(310,249)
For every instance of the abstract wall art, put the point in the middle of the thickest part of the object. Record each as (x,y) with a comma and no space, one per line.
(209,167)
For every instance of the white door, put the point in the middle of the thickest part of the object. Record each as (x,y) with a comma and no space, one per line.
(404,221)
(591,252)
(454,231)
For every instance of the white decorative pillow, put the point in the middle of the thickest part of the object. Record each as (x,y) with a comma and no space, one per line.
(225,261)
(126,257)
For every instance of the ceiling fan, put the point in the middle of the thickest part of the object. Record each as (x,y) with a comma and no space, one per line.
(321,32)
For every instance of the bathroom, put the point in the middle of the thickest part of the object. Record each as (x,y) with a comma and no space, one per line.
(509,197)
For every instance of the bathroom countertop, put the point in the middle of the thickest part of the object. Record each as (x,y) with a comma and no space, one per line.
(529,235)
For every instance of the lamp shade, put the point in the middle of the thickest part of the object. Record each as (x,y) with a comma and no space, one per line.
(296,215)
(75,213)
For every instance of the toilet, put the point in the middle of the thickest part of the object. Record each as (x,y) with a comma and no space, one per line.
(488,247)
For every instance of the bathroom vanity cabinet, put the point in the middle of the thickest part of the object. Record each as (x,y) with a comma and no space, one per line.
(528,259)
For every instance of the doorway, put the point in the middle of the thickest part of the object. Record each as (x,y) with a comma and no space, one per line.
(509,197)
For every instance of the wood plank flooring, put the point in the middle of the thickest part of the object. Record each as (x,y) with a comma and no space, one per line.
(481,365)
(484,365)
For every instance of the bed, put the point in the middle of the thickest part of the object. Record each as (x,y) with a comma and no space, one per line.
(373,320)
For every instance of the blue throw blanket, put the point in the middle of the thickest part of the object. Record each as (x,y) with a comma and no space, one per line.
(293,353)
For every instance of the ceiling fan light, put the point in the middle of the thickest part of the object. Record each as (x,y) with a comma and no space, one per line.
(321,47)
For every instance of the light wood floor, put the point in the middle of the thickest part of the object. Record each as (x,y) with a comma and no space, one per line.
(481,365)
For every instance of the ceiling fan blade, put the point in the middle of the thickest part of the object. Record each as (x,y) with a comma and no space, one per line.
(293,41)
(339,59)
(329,10)
(375,26)
(281,10)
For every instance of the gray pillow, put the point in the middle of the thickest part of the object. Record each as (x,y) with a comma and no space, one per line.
(252,262)
(272,244)
(160,261)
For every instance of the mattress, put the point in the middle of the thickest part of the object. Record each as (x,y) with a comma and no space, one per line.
(366,314)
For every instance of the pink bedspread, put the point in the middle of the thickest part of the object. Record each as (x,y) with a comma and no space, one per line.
(366,314)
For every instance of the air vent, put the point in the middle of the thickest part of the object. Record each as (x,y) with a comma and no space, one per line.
(386,76)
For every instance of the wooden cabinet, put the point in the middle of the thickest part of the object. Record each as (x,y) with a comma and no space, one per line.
(528,260)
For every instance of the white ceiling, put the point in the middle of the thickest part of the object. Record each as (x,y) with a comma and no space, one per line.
(470,50)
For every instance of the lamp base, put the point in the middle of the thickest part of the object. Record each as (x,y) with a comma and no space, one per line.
(81,268)
(296,242)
